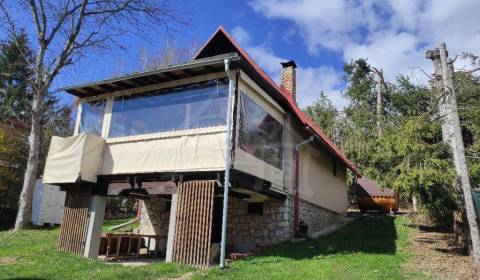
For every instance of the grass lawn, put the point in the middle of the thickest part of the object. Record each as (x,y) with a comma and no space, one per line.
(373,247)
(114,222)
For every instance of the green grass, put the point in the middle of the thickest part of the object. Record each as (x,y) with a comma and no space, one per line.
(113,222)
(373,247)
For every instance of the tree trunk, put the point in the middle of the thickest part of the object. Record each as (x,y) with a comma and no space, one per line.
(414,204)
(454,137)
(379,88)
(459,228)
(24,214)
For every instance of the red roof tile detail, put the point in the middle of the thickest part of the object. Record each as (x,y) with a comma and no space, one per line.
(286,94)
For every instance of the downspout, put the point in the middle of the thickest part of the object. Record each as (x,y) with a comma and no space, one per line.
(296,192)
(228,159)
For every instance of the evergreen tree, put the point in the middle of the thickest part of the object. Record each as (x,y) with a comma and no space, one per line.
(410,157)
(15,94)
(324,114)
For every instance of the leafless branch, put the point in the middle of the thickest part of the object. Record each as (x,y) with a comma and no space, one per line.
(12,31)
(470,71)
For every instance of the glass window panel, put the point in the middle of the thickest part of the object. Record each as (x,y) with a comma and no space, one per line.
(91,119)
(259,133)
(186,108)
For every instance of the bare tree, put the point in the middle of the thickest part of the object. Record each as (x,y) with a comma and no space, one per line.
(65,32)
(168,55)
(452,134)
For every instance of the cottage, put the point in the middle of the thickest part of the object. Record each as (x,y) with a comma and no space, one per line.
(222,156)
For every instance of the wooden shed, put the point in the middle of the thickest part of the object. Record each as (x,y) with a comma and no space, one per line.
(371,197)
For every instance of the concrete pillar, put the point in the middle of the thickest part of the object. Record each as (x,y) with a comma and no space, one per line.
(171,228)
(97,213)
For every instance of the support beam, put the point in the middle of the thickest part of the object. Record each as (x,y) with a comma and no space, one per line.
(97,213)
(171,228)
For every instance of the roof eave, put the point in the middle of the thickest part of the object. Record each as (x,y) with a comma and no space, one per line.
(104,86)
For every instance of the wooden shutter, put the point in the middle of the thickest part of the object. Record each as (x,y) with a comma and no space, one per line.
(193,223)
(73,230)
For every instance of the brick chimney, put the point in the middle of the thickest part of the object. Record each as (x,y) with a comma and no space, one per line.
(289,77)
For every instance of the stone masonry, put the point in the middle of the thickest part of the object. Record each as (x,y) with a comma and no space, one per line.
(155,218)
(245,232)
(316,218)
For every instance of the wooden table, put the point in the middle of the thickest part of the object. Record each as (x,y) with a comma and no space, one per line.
(128,245)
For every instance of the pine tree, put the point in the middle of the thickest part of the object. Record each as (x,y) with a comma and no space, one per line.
(15,93)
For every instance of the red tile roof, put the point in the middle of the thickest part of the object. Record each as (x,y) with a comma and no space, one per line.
(221,36)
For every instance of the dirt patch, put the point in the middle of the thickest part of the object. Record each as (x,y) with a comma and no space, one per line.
(133,262)
(8,260)
(185,276)
(436,258)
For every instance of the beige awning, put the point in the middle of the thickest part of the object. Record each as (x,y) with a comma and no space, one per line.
(74,159)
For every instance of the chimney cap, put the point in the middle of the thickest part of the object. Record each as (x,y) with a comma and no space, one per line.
(289,63)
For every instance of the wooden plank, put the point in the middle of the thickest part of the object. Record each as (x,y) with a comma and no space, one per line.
(148,245)
(129,246)
(209,221)
(109,243)
(186,239)
(139,243)
(193,223)
(74,225)
(204,211)
(119,242)
(197,222)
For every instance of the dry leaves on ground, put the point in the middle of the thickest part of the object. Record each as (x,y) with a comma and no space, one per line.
(436,258)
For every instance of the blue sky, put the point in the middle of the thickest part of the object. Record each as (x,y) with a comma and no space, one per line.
(320,35)
(254,31)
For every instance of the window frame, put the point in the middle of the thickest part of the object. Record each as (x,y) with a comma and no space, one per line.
(78,119)
(247,163)
(169,133)
(260,103)
(254,208)
(140,90)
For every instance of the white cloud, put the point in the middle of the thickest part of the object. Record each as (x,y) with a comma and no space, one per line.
(321,23)
(310,80)
(392,35)
(395,53)
(241,35)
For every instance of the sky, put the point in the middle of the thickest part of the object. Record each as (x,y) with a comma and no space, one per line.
(319,35)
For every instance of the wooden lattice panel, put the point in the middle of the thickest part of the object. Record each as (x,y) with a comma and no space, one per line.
(73,230)
(193,224)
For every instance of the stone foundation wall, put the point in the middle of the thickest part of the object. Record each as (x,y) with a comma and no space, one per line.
(245,232)
(155,218)
(316,217)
